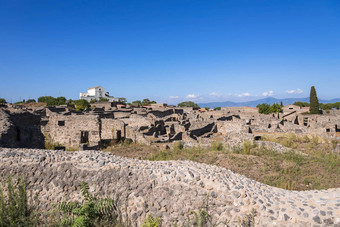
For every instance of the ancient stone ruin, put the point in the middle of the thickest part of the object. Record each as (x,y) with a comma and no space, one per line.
(153,125)
(168,189)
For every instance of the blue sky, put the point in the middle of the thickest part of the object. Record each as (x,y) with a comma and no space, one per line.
(170,51)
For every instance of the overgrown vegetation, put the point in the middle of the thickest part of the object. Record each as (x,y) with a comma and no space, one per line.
(90,212)
(16,212)
(188,104)
(14,208)
(265,108)
(317,168)
(81,104)
(2,101)
(51,101)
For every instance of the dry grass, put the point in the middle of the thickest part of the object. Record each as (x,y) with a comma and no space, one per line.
(319,170)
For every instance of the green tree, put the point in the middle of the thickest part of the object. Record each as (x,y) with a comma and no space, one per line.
(82,104)
(2,101)
(30,101)
(264,108)
(336,105)
(301,104)
(91,212)
(136,103)
(103,100)
(217,108)
(146,102)
(188,104)
(70,102)
(327,106)
(281,104)
(49,100)
(123,100)
(314,102)
(61,100)
(275,108)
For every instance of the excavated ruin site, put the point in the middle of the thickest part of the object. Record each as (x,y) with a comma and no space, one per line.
(168,189)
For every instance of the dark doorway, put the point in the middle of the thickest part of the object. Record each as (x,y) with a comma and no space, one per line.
(18,134)
(337,129)
(119,135)
(84,137)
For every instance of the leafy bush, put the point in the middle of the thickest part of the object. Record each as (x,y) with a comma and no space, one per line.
(188,104)
(2,101)
(152,222)
(264,108)
(51,101)
(147,102)
(88,213)
(14,209)
(82,104)
(136,103)
(30,101)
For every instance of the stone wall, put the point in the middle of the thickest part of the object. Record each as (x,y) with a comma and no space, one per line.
(167,189)
(72,129)
(20,129)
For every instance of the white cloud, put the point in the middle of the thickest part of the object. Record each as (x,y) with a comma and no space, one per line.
(191,96)
(215,94)
(297,91)
(246,94)
(174,97)
(268,93)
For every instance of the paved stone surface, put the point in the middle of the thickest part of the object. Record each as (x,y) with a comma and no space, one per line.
(169,189)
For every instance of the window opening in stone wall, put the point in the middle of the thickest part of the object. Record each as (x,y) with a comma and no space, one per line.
(61,123)
(84,137)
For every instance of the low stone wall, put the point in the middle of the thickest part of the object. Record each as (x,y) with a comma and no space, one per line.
(167,189)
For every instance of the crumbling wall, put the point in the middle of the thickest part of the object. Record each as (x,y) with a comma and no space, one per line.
(20,129)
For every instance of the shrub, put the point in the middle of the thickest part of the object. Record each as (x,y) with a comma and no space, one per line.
(88,213)
(178,145)
(188,104)
(82,104)
(49,100)
(264,108)
(14,209)
(30,101)
(216,146)
(152,222)
(2,101)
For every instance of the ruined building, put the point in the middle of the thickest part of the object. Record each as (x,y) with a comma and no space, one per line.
(153,125)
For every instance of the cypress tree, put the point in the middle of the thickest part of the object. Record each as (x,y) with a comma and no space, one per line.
(314,102)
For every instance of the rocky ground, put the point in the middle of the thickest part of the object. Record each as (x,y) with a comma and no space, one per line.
(168,189)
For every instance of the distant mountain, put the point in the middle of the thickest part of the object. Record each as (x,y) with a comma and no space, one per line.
(269,100)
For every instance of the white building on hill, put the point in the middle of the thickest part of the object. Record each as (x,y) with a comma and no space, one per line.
(96,93)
